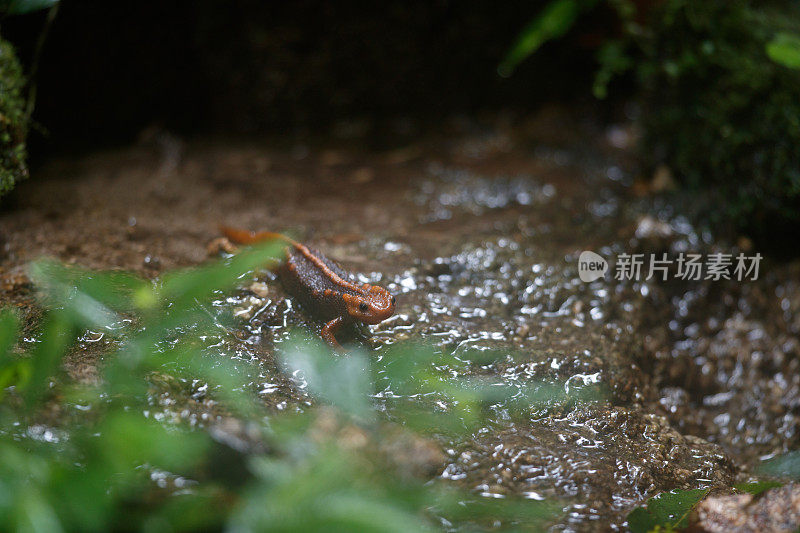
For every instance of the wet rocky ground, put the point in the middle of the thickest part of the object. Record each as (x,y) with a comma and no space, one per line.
(478,231)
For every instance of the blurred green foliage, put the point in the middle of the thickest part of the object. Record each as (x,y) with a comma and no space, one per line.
(21,7)
(756,487)
(667,511)
(784,49)
(719,89)
(722,105)
(13,119)
(15,109)
(784,466)
(90,456)
(555,20)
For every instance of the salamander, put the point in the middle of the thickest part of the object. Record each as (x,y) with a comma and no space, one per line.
(323,286)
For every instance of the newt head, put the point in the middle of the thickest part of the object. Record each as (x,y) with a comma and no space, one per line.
(373,305)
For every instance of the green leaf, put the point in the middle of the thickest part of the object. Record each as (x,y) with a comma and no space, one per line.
(202,509)
(343,381)
(784,49)
(91,299)
(668,511)
(36,515)
(129,440)
(11,368)
(330,490)
(183,288)
(553,22)
(9,328)
(786,465)
(527,514)
(14,373)
(57,336)
(614,60)
(228,380)
(756,487)
(421,374)
(20,7)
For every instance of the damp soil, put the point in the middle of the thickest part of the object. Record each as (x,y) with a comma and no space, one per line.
(477,231)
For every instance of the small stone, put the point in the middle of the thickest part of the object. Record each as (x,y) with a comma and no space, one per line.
(362,175)
(262,164)
(777,510)
(243,312)
(330,158)
(16,280)
(439,267)
(219,245)
(413,454)
(151,261)
(640,187)
(662,180)
(353,438)
(745,244)
(497,489)
(649,227)
(259,288)
(402,155)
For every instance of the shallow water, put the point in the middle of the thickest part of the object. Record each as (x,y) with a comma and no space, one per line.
(489,263)
(478,235)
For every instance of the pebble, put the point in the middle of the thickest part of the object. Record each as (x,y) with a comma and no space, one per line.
(259,288)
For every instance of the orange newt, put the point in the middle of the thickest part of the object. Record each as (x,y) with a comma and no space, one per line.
(323,286)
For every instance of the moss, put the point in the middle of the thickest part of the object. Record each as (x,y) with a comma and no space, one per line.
(13,120)
(720,112)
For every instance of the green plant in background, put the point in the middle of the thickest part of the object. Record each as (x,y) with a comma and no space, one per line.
(16,107)
(21,7)
(13,119)
(719,88)
(722,105)
(554,21)
(784,49)
(93,456)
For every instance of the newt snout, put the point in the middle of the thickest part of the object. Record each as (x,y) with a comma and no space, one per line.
(376,306)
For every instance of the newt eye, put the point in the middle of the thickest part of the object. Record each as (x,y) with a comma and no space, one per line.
(363,307)
(393,300)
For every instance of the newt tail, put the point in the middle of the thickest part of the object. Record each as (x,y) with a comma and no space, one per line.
(241,236)
(322,286)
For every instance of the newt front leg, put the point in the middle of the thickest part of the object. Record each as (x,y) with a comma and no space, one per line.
(328,332)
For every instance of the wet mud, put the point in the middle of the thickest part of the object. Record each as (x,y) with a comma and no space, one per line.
(477,232)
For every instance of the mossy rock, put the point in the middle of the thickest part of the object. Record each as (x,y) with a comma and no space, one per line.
(723,115)
(13,119)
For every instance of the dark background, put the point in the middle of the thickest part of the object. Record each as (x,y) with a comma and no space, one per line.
(110,69)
